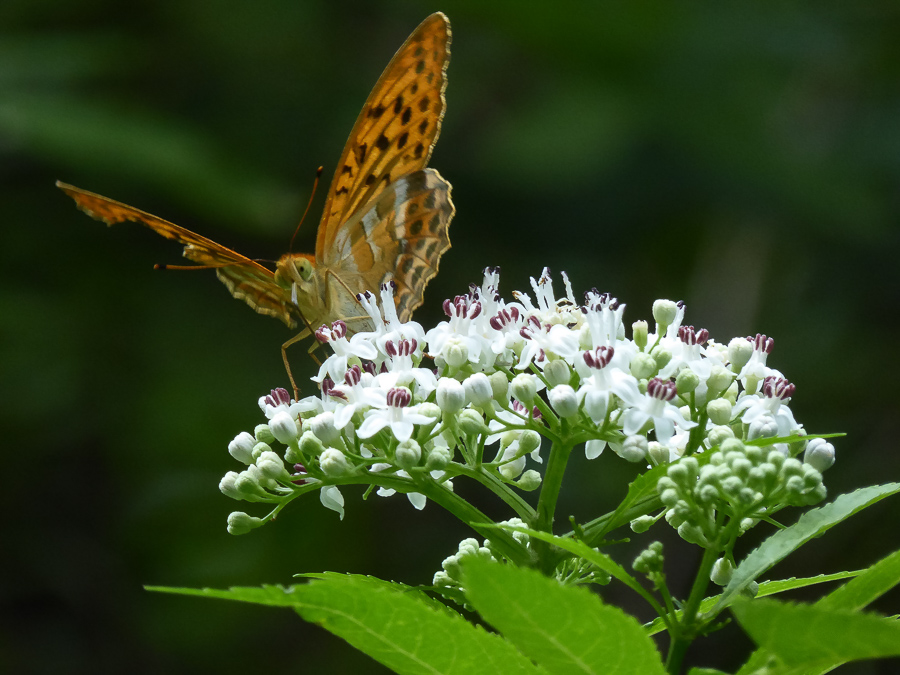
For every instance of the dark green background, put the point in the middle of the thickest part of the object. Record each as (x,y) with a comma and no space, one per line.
(742,158)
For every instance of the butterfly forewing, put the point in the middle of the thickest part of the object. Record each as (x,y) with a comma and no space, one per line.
(245,278)
(396,129)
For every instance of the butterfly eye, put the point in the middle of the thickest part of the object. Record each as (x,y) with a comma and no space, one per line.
(304,268)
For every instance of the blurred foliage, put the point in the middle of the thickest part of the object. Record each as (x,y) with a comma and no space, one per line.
(744,158)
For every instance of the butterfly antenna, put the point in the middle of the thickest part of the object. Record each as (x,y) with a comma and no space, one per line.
(161,266)
(308,204)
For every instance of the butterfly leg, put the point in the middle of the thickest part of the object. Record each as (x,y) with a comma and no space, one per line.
(287,366)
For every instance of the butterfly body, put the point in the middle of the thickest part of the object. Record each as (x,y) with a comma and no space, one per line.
(386,214)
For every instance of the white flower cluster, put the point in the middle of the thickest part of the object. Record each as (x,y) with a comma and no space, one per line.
(506,373)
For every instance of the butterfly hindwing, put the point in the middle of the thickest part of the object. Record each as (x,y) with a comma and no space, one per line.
(396,129)
(406,225)
(245,278)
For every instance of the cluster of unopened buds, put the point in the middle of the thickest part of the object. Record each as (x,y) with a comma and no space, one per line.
(402,409)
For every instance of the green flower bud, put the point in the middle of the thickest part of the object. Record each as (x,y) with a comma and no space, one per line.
(750,590)
(643,366)
(408,454)
(557,372)
(763,426)
(310,445)
(429,410)
(739,352)
(271,466)
(499,386)
(642,523)
(669,497)
(530,480)
(263,433)
(248,486)
(664,313)
(438,458)
(721,572)
(240,523)
(524,388)
(333,463)
(686,381)
(731,393)
(732,445)
(661,356)
(639,334)
(241,448)
(719,411)
(658,453)
(692,534)
(718,435)
(471,422)
(259,449)
(529,441)
(718,381)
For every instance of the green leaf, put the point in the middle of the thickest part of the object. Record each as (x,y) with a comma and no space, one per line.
(810,525)
(394,624)
(706,671)
(642,488)
(765,588)
(565,629)
(812,636)
(867,587)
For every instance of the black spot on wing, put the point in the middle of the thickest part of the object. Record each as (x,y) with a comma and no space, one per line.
(398,104)
(423,126)
(424,104)
(382,143)
(405,117)
(403,138)
(420,150)
(420,66)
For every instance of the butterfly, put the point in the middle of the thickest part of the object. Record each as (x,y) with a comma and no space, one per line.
(386,215)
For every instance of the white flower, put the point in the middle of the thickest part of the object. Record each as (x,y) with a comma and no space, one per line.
(280,401)
(459,332)
(601,381)
(655,405)
(401,370)
(396,414)
(332,498)
(355,393)
(335,366)
(775,392)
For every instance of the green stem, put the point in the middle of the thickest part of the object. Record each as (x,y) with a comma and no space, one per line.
(522,508)
(546,507)
(680,642)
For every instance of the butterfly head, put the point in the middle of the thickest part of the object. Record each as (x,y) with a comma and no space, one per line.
(296,272)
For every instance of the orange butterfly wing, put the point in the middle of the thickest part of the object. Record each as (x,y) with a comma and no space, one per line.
(395,131)
(245,278)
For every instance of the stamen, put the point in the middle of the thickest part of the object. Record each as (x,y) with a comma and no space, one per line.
(399,397)
(661,390)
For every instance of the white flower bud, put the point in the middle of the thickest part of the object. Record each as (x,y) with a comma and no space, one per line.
(557,372)
(739,352)
(664,312)
(240,523)
(634,449)
(819,454)
(643,366)
(259,449)
(263,433)
(478,389)
(524,388)
(499,386)
(722,571)
(471,422)
(429,410)
(283,428)
(271,466)
(530,480)
(247,485)
(564,401)
(241,448)
(334,464)
(455,352)
(408,454)
(511,470)
(763,426)
(686,381)
(639,334)
(658,453)
(450,396)
(227,485)
(719,411)
(322,425)
(718,381)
